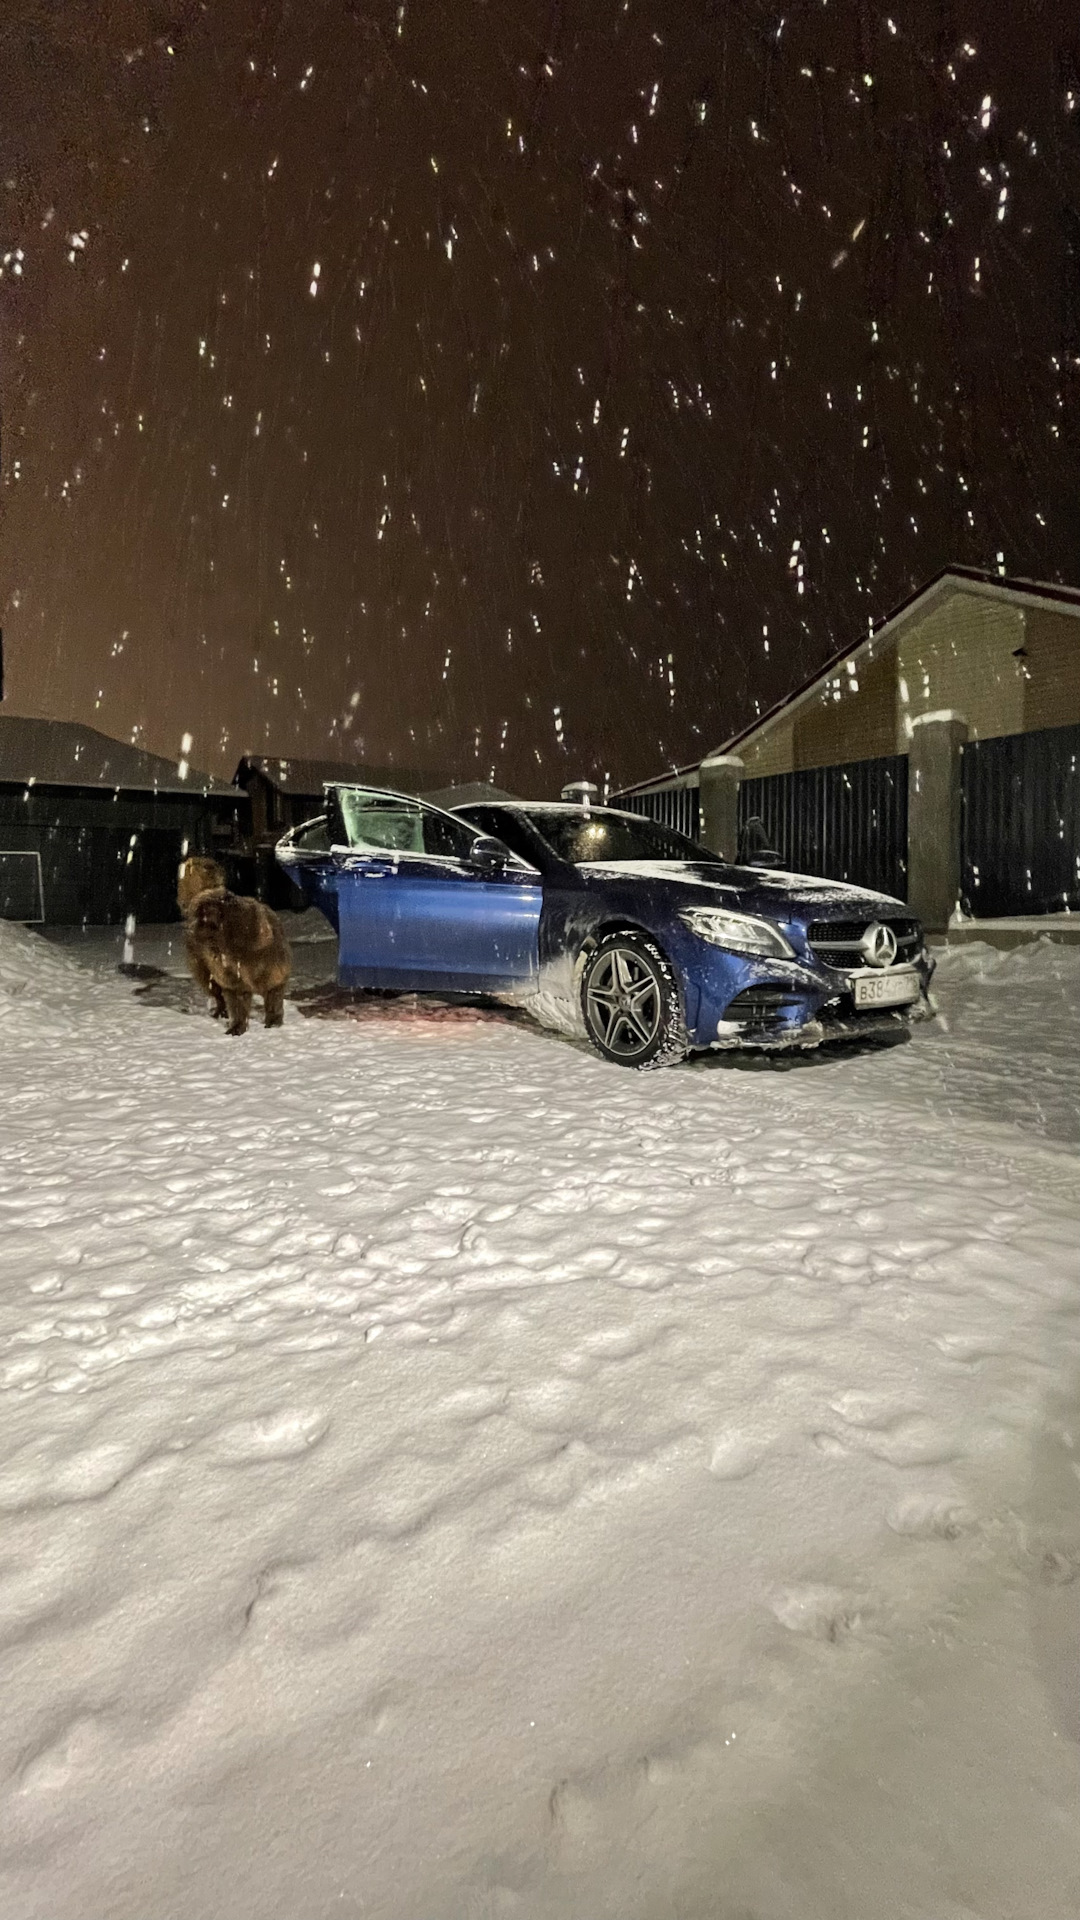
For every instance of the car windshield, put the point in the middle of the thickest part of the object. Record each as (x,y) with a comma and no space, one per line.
(576,836)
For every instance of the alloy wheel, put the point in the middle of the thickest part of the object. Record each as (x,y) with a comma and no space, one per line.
(623,1003)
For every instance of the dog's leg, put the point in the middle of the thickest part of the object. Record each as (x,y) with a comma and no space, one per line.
(204,979)
(237,1006)
(274,1007)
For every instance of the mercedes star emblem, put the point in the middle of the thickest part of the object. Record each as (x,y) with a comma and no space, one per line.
(878,945)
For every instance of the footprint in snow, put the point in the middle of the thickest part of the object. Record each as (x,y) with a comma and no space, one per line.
(929,1516)
(89,1474)
(898,1434)
(969,1349)
(620,1343)
(735,1455)
(550,1405)
(78,1747)
(271,1436)
(914,1443)
(472,1404)
(869,1410)
(820,1613)
(1059,1568)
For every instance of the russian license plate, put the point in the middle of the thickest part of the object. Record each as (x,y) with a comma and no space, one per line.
(896,989)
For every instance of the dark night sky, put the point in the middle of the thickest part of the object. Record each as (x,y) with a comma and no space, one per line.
(630,319)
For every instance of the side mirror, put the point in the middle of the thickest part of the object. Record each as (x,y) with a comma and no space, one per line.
(488,856)
(754,848)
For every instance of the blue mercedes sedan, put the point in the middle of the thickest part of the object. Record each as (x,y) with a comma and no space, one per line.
(605,924)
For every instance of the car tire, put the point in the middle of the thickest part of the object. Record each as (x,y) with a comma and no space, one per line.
(631,1003)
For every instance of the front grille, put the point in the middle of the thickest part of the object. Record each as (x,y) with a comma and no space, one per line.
(761,1006)
(836,942)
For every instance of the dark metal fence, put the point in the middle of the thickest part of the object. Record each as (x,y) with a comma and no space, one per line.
(677,807)
(846,823)
(1020,846)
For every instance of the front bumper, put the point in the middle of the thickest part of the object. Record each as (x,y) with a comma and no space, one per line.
(777,1005)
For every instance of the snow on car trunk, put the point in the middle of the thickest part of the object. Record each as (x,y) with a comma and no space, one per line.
(445,1476)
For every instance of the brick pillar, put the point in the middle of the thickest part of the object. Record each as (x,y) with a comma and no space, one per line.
(720,774)
(934,817)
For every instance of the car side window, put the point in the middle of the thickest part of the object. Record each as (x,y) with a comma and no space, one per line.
(368,822)
(378,822)
(503,826)
(313,838)
(451,839)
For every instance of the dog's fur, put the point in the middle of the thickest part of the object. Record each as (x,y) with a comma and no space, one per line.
(240,946)
(198,875)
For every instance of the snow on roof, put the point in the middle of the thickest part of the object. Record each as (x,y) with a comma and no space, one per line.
(309,777)
(471,794)
(64,753)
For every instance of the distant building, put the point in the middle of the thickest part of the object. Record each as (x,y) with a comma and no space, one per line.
(92,830)
(1003,653)
(284,792)
(989,661)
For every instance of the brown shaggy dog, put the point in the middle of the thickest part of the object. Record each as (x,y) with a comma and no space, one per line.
(199,874)
(243,950)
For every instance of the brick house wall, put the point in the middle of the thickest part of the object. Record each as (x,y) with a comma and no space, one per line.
(1051,671)
(962,655)
(854,717)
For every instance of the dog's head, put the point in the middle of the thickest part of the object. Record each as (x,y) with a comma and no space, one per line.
(198,874)
(210,913)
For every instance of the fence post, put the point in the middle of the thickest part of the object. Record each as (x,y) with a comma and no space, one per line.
(934,817)
(718,794)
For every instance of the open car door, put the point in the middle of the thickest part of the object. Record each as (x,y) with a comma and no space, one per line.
(425,902)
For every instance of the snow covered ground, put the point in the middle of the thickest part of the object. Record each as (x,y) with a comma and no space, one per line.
(444,1477)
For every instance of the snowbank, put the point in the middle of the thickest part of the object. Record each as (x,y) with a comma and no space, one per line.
(1038,960)
(443,1475)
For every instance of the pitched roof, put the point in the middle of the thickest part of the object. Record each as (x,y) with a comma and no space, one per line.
(470,793)
(309,777)
(989,585)
(64,753)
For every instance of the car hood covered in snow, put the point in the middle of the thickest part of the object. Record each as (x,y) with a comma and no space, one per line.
(773,894)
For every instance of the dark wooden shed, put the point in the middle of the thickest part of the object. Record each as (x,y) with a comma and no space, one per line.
(92,830)
(285,792)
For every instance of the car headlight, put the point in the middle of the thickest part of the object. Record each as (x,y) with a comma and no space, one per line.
(739,931)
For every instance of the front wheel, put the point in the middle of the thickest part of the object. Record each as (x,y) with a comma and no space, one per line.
(631,1004)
